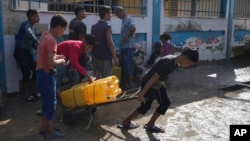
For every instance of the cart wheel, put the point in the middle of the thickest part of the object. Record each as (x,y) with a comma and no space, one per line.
(91,110)
(68,118)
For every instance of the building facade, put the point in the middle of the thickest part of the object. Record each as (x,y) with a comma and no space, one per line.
(215,27)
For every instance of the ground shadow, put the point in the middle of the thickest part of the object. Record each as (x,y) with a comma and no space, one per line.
(151,136)
(129,136)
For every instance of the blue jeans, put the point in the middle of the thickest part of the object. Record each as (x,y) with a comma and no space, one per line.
(47,87)
(63,71)
(127,60)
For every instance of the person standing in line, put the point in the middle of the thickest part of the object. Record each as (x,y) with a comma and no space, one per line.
(126,46)
(153,88)
(104,52)
(46,74)
(25,46)
(78,31)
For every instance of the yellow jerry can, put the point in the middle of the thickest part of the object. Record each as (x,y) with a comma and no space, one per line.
(84,94)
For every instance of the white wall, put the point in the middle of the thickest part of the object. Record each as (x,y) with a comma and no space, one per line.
(170,24)
(204,25)
(12,20)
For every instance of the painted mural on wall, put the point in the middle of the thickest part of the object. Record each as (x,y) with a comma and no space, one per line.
(140,46)
(210,40)
(241,37)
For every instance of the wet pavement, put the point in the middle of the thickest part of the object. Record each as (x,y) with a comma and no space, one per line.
(199,110)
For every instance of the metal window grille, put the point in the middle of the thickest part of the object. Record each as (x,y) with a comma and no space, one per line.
(133,7)
(241,9)
(194,8)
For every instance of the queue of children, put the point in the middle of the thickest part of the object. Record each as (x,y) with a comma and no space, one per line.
(53,59)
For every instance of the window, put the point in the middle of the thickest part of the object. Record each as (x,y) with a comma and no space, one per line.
(194,8)
(133,7)
(241,9)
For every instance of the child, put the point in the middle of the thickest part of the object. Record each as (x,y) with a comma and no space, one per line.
(155,54)
(72,50)
(153,88)
(103,55)
(25,43)
(166,47)
(46,74)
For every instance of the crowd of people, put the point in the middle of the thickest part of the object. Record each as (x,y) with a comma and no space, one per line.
(48,62)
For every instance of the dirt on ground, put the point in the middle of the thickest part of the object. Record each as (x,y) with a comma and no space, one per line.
(199,111)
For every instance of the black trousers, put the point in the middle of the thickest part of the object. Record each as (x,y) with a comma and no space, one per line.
(155,94)
(25,61)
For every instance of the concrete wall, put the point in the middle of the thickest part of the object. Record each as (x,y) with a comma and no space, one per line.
(208,51)
(199,25)
(12,20)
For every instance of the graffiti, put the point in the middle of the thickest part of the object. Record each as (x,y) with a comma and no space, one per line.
(241,37)
(195,43)
(140,45)
(212,40)
(140,51)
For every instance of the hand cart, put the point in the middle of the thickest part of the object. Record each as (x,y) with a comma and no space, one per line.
(70,111)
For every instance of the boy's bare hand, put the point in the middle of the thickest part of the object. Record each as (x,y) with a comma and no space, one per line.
(116,61)
(90,79)
(141,97)
(60,57)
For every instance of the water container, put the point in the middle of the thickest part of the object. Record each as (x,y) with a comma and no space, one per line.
(84,94)
(73,97)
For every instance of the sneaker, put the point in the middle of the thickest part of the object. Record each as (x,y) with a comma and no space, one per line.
(56,135)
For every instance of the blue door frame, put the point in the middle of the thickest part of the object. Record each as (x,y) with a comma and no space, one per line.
(156,19)
(230,29)
(2,60)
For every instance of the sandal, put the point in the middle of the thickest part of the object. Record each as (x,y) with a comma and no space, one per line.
(39,112)
(132,125)
(43,132)
(37,95)
(30,98)
(154,129)
(56,135)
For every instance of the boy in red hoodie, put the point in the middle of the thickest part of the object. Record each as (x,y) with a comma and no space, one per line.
(72,50)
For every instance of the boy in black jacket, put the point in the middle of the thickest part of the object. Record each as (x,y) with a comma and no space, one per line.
(153,88)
